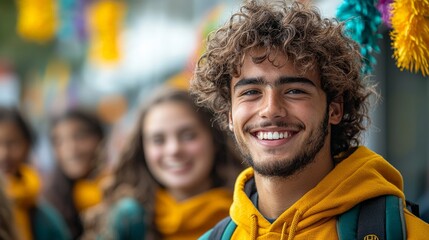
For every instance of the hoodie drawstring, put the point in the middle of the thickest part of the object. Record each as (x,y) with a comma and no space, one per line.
(283,231)
(294,225)
(254,229)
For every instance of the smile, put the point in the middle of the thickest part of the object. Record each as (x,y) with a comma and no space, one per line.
(172,166)
(273,135)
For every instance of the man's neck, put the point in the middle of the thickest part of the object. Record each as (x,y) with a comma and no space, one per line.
(276,194)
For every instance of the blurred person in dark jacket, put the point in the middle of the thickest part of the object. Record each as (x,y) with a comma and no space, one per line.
(77,137)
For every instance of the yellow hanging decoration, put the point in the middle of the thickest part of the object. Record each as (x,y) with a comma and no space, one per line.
(105,19)
(410,34)
(37,20)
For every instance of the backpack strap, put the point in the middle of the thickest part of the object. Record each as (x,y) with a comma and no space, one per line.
(223,230)
(377,218)
(413,208)
(347,224)
(372,219)
(395,220)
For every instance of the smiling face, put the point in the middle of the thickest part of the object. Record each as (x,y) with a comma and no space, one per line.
(280,118)
(76,148)
(179,149)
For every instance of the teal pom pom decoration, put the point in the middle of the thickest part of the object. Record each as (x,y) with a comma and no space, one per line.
(362,20)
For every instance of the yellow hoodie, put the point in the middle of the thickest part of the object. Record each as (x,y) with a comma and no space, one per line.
(191,218)
(87,193)
(23,192)
(362,175)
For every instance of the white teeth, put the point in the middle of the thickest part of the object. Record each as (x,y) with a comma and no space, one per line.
(176,165)
(272,135)
(276,135)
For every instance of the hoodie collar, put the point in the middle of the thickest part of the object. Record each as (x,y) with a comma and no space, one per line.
(362,175)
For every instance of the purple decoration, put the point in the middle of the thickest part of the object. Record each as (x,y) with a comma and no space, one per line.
(80,19)
(385,8)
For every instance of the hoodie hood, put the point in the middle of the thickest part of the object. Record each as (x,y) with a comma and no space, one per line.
(361,176)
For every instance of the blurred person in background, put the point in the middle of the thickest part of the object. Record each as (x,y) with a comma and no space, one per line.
(7,228)
(77,137)
(32,219)
(174,179)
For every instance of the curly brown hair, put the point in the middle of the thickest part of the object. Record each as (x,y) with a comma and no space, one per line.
(310,42)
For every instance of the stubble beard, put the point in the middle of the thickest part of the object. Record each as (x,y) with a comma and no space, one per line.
(285,168)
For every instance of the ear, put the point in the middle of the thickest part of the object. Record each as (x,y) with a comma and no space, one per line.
(336,110)
(230,123)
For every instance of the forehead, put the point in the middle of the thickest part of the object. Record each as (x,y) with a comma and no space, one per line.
(9,129)
(169,116)
(71,124)
(272,68)
(67,127)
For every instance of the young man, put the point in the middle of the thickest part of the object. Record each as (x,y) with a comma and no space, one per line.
(287,83)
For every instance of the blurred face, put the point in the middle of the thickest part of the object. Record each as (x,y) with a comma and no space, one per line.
(14,148)
(178,149)
(75,148)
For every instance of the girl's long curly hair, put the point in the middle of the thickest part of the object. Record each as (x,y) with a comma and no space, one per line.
(132,172)
(310,42)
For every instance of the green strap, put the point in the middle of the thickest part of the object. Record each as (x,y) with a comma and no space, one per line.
(206,235)
(395,221)
(222,231)
(346,224)
(395,224)
(229,230)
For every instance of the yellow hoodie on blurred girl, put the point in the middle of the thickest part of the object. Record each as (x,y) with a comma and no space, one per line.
(361,176)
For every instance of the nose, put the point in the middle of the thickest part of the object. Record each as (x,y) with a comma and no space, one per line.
(272,105)
(172,147)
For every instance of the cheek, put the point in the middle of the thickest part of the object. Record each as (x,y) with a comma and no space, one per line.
(308,112)
(19,154)
(241,114)
(88,146)
(203,151)
(63,150)
(153,155)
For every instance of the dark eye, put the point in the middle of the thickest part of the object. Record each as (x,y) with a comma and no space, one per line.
(295,91)
(157,140)
(188,135)
(250,92)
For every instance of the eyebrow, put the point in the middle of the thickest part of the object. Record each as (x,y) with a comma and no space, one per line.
(184,128)
(282,80)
